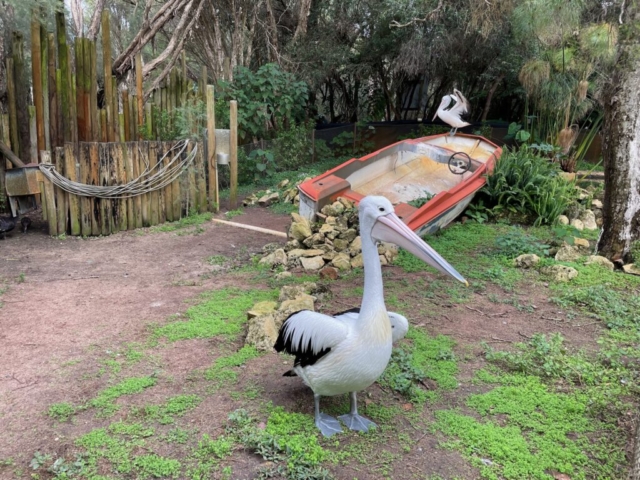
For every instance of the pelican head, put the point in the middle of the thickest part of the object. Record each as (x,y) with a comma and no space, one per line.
(378,219)
(399,326)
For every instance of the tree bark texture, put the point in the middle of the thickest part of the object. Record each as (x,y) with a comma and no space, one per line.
(621,154)
(634,473)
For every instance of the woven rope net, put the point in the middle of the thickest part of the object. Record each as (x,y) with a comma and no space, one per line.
(151,179)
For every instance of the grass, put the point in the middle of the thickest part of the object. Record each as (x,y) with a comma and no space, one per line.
(105,401)
(167,412)
(192,220)
(234,213)
(61,411)
(221,372)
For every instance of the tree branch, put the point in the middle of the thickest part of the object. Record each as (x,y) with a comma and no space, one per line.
(94,27)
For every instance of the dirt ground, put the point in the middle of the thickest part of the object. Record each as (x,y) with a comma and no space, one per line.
(75,299)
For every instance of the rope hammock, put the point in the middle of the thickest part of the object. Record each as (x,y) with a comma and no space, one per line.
(151,179)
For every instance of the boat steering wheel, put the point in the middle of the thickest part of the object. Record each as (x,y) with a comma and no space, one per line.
(459,163)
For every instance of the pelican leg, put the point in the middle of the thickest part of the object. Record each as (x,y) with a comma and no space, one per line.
(353,421)
(326,424)
(452,132)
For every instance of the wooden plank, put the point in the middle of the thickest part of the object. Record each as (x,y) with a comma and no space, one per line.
(176,197)
(80,107)
(233,151)
(50,200)
(168,190)
(54,120)
(121,179)
(212,166)
(86,88)
(143,162)
(105,204)
(107,73)
(114,220)
(73,107)
(126,115)
(154,215)
(135,130)
(44,71)
(103,125)
(192,194)
(63,65)
(13,110)
(94,179)
(162,214)
(85,177)
(36,71)
(201,179)
(202,87)
(137,200)
(128,167)
(33,136)
(121,127)
(93,93)
(70,173)
(62,198)
(5,137)
(139,91)
(115,110)
(148,125)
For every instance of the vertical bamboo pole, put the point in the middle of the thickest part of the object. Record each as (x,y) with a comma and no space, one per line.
(121,176)
(49,196)
(154,216)
(62,199)
(54,120)
(212,166)
(33,135)
(115,109)
(139,91)
(233,147)
(137,200)
(73,106)
(4,136)
(121,133)
(114,219)
(94,179)
(148,109)
(105,204)
(162,216)
(63,64)
(126,115)
(85,177)
(36,70)
(106,73)
(80,110)
(128,168)
(192,194)
(93,92)
(133,118)
(13,110)
(87,79)
(143,161)
(44,71)
(168,190)
(70,173)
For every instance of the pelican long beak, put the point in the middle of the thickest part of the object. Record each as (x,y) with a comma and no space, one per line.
(389,228)
(434,117)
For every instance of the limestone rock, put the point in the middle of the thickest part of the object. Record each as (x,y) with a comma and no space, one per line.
(383,260)
(330,220)
(261,308)
(301,302)
(250,200)
(262,333)
(560,273)
(289,292)
(283,183)
(567,254)
(291,245)
(329,256)
(356,246)
(326,229)
(348,204)
(349,235)
(297,218)
(577,224)
(357,262)
(569,177)
(588,219)
(276,258)
(299,231)
(269,199)
(581,244)
(600,260)
(313,240)
(563,220)
(338,207)
(341,261)
(340,244)
(296,200)
(312,263)
(631,268)
(329,273)
(282,275)
(528,260)
(301,252)
(597,204)
(391,253)
(270,247)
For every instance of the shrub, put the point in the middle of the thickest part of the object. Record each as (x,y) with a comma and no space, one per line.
(293,147)
(527,186)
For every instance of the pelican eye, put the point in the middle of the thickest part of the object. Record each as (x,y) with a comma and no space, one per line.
(381,209)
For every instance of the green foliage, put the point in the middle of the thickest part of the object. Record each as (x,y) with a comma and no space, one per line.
(263,162)
(206,457)
(182,123)
(221,373)
(234,213)
(223,312)
(526,186)
(61,411)
(271,99)
(420,201)
(191,220)
(517,242)
(166,412)
(130,386)
(425,131)
(293,147)
(155,466)
(349,145)
(634,251)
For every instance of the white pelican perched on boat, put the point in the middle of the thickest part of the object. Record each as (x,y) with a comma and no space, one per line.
(453,115)
(347,354)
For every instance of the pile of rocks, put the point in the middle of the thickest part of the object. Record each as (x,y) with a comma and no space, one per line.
(581,217)
(283,193)
(265,318)
(331,245)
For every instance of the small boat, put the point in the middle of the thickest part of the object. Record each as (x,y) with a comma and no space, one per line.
(442,170)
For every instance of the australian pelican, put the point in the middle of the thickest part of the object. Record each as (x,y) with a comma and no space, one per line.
(453,115)
(346,354)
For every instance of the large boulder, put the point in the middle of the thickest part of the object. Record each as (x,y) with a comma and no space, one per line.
(262,308)
(568,254)
(577,224)
(588,219)
(312,263)
(563,220)
(269,199)
(301,252)
(289,292)
(357,261)
(262,332)
(527,260)
(632,269)
(301,302)
(599,260)
(329,273)
(560,273)
(299,231)
(341,261)
(279,257)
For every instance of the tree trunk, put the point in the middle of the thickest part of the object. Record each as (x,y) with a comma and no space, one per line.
(621,150)
(492,91)
(634,472)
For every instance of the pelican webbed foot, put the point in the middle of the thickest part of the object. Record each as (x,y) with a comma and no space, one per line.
(357,422)
(327,425)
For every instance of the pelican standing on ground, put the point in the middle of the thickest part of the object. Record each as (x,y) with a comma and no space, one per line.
(453,115)
(333,355)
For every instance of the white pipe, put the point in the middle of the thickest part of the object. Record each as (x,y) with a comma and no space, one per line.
(251,227)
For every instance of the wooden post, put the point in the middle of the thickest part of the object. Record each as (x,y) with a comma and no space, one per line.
(139,91)
(85,177)
(70,173)
(154,216)
(201,178)
(13,111)
(143,161)
(33,136)
(104,136)
(63,64)
(192,194)
(73,106)
(93,93)
(62,199)
(212,166)
(115,109)
(233,150)
(36,69)
(106,73)
(162,215)
(168,190)
(49,196)
(126,115)
(137,200)
(121,177)
(105,204)
(176,195)
(44,70)
(128,168)
(80,96)
(94,179)
(148,112)
(54,119)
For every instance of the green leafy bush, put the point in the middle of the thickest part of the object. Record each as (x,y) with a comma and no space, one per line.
(517,242)
(527,187)
(293,147)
